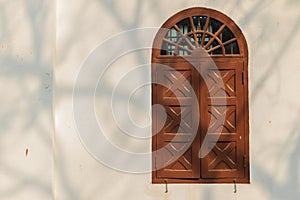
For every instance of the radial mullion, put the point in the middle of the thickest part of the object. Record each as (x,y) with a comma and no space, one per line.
(216,35)
(229,41)
(214,48)
(184,36)
(183,48)
(172,43)
(177,46)
(204,30)
(194,31)
(209,42)
(178,30)
(220,30)
(169,41)
(189,42)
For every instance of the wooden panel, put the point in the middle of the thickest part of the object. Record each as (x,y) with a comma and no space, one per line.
(183,39)
(178,83)
(223,112)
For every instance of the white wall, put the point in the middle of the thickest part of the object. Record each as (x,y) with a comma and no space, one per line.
(272,32)
(26,45)
(26,42)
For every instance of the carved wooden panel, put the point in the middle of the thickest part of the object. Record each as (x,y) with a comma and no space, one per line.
(191,40)
(178,83)
(223,111)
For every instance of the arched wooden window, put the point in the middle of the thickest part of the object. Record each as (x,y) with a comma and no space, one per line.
(188,44)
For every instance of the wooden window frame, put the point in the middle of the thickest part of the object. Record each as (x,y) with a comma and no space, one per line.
(241,57)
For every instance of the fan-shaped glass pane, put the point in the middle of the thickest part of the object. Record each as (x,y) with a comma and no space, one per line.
(199,32)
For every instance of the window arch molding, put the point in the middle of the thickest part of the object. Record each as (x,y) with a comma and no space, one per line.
(217,35)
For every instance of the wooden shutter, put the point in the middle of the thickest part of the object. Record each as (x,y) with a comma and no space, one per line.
(205,37)
(226,159)
(178,78)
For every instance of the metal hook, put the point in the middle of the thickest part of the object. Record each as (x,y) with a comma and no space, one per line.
(234,186)
(166,184)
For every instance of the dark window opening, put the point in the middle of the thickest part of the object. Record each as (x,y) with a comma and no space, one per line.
(199,32)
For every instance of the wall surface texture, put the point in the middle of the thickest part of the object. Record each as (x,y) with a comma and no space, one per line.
(26,125)
(43,151)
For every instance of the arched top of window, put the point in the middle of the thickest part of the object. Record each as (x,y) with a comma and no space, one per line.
(196,28)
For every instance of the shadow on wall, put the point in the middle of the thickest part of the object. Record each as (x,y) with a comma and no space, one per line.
(26,101)
(288,188)
(276,190)
(41,99)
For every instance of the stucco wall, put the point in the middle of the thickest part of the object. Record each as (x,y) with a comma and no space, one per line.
(27,44)
(26,125)
(272,32)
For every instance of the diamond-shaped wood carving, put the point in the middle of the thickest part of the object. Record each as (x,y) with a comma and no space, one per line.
(179,119)
(222,83)
(178,83)
(223,119)
(176,137)
(223,157)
